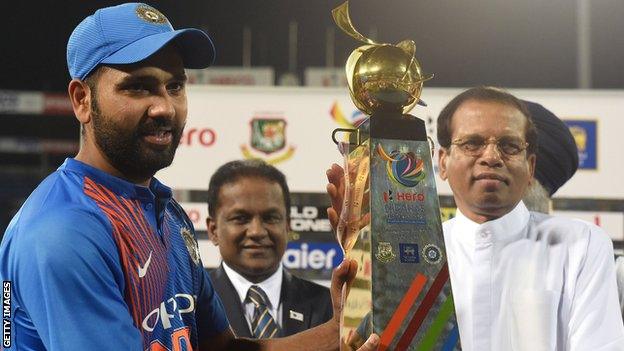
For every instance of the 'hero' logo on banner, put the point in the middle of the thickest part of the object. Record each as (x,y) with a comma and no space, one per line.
(205,137)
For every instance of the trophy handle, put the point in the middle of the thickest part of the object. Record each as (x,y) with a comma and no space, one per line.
(431,146)
(353,139)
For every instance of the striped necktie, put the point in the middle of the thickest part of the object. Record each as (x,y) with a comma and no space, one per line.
(263,326)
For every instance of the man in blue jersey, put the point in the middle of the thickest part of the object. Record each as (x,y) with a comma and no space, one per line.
(100,257)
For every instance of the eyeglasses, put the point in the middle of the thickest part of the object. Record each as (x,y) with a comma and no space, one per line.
(476,145)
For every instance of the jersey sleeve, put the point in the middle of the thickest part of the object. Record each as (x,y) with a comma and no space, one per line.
(68,278)
(211,318)
(595,319)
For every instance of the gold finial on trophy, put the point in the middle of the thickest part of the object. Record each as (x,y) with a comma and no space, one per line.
(381,77)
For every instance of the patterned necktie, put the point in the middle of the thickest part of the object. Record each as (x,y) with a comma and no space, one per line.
(263,326)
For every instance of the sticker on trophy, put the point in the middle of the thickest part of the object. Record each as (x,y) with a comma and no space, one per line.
(296,315)
(432,254)
(402,166)
(384,252)
(404,207)
(409,253)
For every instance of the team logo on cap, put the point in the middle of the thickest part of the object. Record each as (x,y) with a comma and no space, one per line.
(150,14)
(191,244)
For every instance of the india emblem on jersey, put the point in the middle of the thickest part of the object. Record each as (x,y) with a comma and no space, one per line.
(191,244)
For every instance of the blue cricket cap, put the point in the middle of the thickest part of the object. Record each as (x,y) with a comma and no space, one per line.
(130,33)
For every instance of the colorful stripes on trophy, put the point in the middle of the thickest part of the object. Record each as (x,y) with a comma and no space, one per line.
(436,330)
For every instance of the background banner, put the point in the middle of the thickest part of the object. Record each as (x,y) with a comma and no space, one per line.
(291,127)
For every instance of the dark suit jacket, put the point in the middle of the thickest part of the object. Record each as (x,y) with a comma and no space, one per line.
(298,295)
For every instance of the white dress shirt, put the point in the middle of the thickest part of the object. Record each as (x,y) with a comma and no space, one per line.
(272,287)
(529,281)
(619,273)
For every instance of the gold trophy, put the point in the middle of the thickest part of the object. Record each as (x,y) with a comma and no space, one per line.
(390,219)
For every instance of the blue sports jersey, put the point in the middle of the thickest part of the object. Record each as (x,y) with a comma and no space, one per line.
(99,263)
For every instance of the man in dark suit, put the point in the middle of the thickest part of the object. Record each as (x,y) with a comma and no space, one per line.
(248,207)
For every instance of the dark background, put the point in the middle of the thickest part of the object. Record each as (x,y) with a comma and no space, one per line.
(530,43)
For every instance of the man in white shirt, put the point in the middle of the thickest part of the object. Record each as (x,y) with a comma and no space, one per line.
(248,204)
(521,280)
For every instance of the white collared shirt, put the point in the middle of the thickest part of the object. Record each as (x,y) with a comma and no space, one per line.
(528,281)
(272,287)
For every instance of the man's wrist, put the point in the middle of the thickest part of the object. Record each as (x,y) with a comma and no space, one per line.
(332,330)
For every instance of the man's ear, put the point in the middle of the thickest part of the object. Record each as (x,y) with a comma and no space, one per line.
(211,227)
(80,97)
(443,155)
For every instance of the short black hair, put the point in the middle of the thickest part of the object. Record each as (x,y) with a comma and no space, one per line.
(235,170)
(92,78)
(483,93)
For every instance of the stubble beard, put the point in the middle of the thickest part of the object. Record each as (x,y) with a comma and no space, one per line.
(125,148)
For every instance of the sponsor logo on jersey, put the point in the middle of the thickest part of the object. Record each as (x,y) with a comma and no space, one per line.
(172,308)
(143,269)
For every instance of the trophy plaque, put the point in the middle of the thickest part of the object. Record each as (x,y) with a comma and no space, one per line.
(390,219)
